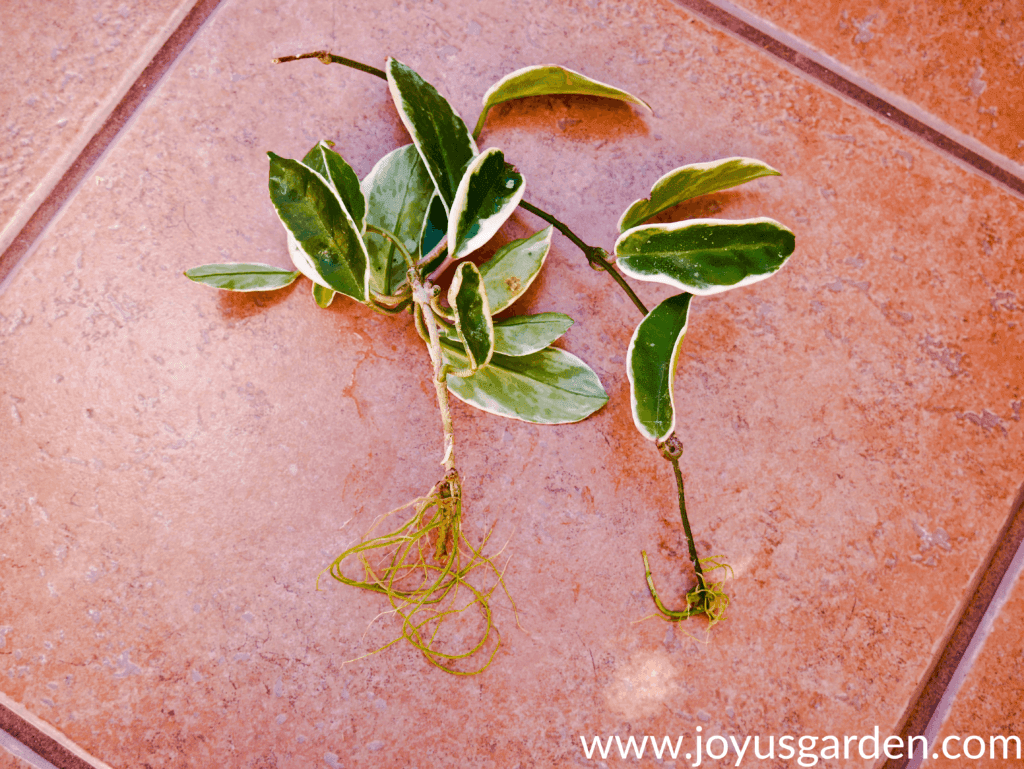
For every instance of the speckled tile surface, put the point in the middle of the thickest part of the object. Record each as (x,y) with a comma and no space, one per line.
(73,62)
(180,464)
(991,700)
(962,62)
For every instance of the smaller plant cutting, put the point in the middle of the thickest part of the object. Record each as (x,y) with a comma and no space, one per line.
(385,241)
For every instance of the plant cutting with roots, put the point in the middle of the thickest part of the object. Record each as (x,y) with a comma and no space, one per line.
(386,241)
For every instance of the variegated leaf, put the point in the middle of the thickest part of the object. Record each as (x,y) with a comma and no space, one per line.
(705,256)
(339,174)
(514,267)
(489,192)
(438,132)
(693,181)
(324,233)
(398,191)
(323,296)
(468,301)
(546,387)
(523,334)
(547,81)
(242,277)
(651,366)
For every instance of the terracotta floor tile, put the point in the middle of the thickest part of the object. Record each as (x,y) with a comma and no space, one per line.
(76,61)
(180,464)
(962,62)
(991,700)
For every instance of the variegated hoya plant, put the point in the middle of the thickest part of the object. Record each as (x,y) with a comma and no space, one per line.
(423,209)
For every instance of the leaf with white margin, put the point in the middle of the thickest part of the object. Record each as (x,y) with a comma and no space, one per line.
(339,174)
(323,296)
(705,256)
(435,227)
(551,386)
(468,301)
(523,334)
(324,241)
(548,80)
(693,181)
(398,192)
(514,267)
(489,192)
(440,135)
(651,366)
(242,277)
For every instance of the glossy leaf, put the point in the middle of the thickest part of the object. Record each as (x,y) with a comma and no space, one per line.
(546,387)
(440,135)
(489,192)
(468,301)
(323,296)
(513,268)
(651,366)
(705,256)
(327,246)
(339,174)
(435,226)
(523,334)
(242,277)
(398,191)
(546,81)
(690,182)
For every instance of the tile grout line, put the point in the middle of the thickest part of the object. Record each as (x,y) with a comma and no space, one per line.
(49,209)
(88,128)
(23,734)
(899,112)
(995,578)
(31,737)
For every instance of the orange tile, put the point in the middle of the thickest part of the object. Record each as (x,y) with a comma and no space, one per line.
(991,701)
(183,463)
(962,62)
(74,62)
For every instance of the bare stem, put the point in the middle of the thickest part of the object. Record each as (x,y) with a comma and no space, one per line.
(672,450)
(596,256)
(422,294)
(329,58)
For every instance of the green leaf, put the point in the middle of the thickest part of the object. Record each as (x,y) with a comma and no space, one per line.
(468,301)
(693,181)
(489,192)
(435,227)
(546,81)
(513,268)
(242,277)
(651,366)
(340,176)
(438,132)
(326,245)
(521,335)
(705,256)
(398,191)
(525,334)
(323,296)
(546,387)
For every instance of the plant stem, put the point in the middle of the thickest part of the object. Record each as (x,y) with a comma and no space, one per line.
(422,293)
(329,58)
(672,450)
(596,256)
